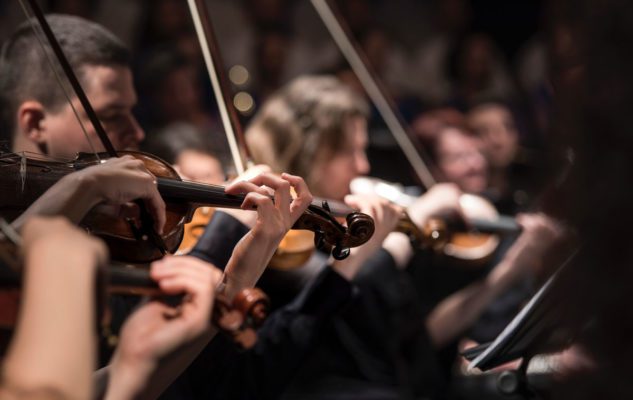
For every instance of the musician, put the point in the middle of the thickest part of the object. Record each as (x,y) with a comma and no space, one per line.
(40,122)
(514,172)
(43,123)
(32,367)
(317,127)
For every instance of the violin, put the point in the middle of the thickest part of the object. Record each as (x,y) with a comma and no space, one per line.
(473,240)
(141,244)
(297,246)
(466,244)
(238,318)
(25,179)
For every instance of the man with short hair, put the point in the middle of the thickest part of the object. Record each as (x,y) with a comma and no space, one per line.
(36,112)
(40,120)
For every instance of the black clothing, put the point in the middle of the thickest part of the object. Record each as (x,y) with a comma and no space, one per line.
(219,239)
(377,348)
(221,371)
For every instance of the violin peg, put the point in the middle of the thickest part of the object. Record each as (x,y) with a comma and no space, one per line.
(340,253)
(245,338)
(231,321)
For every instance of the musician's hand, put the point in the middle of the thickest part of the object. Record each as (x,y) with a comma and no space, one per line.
(156,330)
(539,230)
(111,186)
(247,217)
(119,181)
(441,199)
(274,219)
(384,213)
(525,256)
(386,216)
(270,195)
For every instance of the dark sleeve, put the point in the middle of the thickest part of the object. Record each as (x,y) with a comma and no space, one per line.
(219,238)
(381,264)
(284,341)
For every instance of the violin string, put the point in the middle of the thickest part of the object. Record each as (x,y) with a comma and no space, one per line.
(23,171)
(9,160)
(58,77)
(371,84)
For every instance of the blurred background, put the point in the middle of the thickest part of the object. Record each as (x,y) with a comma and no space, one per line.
(444,56)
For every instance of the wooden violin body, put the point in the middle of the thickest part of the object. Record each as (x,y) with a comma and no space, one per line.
(24,180)
(238,317)
(473,241)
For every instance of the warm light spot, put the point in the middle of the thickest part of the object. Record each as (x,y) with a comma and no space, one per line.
(244,102)
(238,75)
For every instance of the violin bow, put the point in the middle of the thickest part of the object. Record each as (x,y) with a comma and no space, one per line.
(375,89)
(233,129)
(146,231)
(221,89)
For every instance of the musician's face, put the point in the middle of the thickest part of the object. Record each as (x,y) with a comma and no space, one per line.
(495,126)
(334,171)
(111,93)
(461,162)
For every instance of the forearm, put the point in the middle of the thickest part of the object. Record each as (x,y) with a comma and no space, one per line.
(131,379)
(456,313)
(459,311)
(73,196)
(248,261)
(53,346)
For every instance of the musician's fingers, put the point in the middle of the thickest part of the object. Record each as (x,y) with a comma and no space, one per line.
(243,187)
(281,188)
(353,201)
(304,197)
(263,204)
(180,265)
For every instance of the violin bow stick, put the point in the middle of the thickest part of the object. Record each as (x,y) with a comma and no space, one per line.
(221,88)
(374,88)
(147,226)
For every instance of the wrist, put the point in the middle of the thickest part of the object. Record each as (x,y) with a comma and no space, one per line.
(231,285)
(86,185)
(128,379)
(267,234)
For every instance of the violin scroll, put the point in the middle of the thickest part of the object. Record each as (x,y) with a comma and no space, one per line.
(332,236)
(241,317)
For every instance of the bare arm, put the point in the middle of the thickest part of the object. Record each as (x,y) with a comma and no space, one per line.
(53,350)
(146,375)
(253,253)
